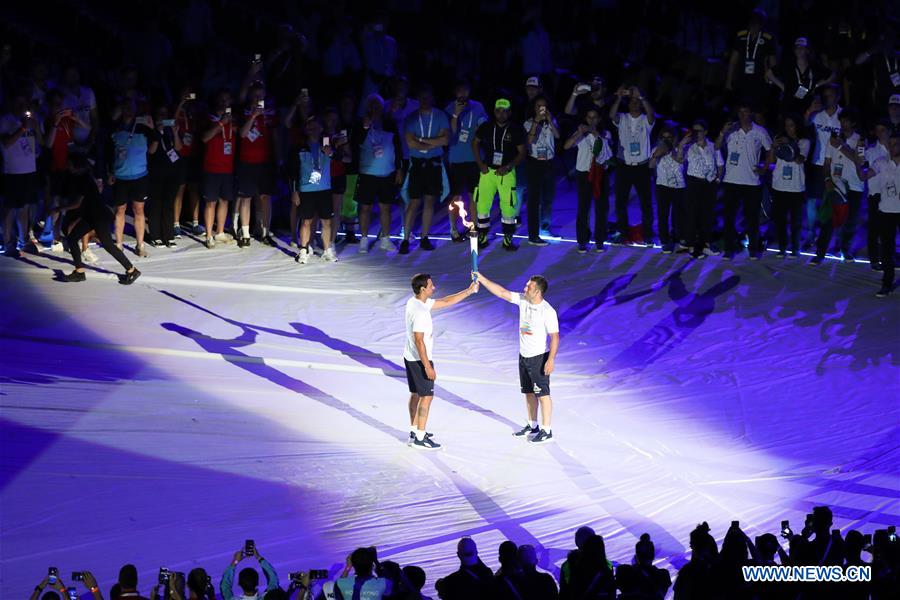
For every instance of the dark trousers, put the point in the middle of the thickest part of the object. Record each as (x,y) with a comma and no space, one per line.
(889,224)
(847,229)
(750,196)
(101,228)
(669,201)
(788,205)
(873,229)
(700,212)
(637,176)
(162,207)
(541,189)
(601,209)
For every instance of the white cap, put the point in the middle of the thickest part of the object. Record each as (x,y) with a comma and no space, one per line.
(532,82)
(895,99)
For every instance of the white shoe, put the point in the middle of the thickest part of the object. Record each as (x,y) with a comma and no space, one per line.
(329,255)
(89,257)
(386,244)
(303,256)
(141,251)
(224,238)
(210,242)
(56,246)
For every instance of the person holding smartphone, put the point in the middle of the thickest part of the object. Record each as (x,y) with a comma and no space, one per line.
(256,165)
(191,152)
(311,191)
(789,153)
(218,170)
(705,168)
(20,136)
(167,171)
(542,132)
(466,116)
(594,154)
(248,578)
(667,159)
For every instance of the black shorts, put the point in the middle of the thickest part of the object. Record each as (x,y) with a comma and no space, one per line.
(59,184)
(463,178)
(20,190)
(371,189)
(316,204)
(218,186)
(255,179)
(425,177)
(338,184)
(415,377)
(531,375)
(130,190)
(815,182)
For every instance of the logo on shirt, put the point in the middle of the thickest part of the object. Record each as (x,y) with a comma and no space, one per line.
(536,388)
(526,329)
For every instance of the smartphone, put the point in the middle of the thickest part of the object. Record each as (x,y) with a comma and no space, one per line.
(318,574)
(735,524)
(257,58)
(304,92)
(192,96)
(343,133)
(163,576)
(77,576)
(249,548)
(168,122)
(326,141)
(73,593)
(27,114)
(52,575)
(582,88)
(785,528)
(228,110)
(892,534)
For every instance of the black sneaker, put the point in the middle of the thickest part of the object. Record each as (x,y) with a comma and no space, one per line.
(582,248)
(244,242)
(351,238)
(542,437)
(508,244)
(130,278)
(876,266)
(74,276)
(404,247)
(425,444)
(884,292)
(412,436)
(526,431)
(269,240)
(457,238)
(668,248)
(816,260)
(536,241)
(425,243)
(482,239)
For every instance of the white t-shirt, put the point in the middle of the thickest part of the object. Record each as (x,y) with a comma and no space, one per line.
(81,104)
(669,172)
(418,319)
(19,158)
(789,176)
(703,162)
(844,168)
(536,322)
(585,148)
(544,146)
(876,154)
(742,154)
(634,138)
(824,125)
(887,181)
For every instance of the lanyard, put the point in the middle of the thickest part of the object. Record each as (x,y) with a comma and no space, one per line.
(503,135)
(633,129)
(800,81)
(755,47)
(887,63)
(224,134)
(422,125)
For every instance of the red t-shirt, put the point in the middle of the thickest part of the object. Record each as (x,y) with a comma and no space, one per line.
(219,157)
(257,147)
(60,151)
(187,129)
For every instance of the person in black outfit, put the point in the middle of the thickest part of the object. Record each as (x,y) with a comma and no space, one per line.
(641,580)
(473,581)
(592,577)
(508,579)
(167,174)
(696,579)
(88,213)
(536,585)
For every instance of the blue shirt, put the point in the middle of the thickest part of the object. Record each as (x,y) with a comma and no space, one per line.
(376,154)
(426,126)
(129,154)
(379,53)
(313,159)
(468,121)
(225,586)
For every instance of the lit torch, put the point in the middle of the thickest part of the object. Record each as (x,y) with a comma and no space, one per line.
(473,235)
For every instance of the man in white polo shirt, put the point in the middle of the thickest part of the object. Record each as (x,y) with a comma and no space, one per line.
(537,320)
(743,143)
(885,177)
(633,169)
(824,117)
(418,353)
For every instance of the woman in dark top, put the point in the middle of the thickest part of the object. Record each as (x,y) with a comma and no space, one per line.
(167,173)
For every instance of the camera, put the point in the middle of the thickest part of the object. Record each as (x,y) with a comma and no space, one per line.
(582,88)
(52,575)
(892,534)
(77,575)
(228,110)
(164,576)
(786,529)
(313,574)
(260,104)
(257,58)
(249,548)
(192,96)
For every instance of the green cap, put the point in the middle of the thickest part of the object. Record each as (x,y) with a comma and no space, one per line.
(502,103)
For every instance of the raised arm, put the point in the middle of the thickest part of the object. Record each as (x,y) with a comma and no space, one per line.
(455,298)
(497,290)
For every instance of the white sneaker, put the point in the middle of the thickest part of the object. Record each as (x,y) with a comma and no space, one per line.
(89,257)
(210,242)
(56,246)
(224,238)
(303,256)
(363,245)
(329,255)
(386,244)
(141,251)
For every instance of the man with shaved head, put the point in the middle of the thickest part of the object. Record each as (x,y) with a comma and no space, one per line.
(473,581)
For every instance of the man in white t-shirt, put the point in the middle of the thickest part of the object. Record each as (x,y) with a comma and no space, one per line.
(537,321)
(884,176)
(875,155)
(20,138)
(83,103)
(633,168)
(417,354)
(824,117)
(743,144)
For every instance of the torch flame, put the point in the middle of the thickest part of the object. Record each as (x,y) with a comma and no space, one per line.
(461,209)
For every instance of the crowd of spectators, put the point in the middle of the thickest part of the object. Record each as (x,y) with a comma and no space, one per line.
(214,119)
(712,572)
